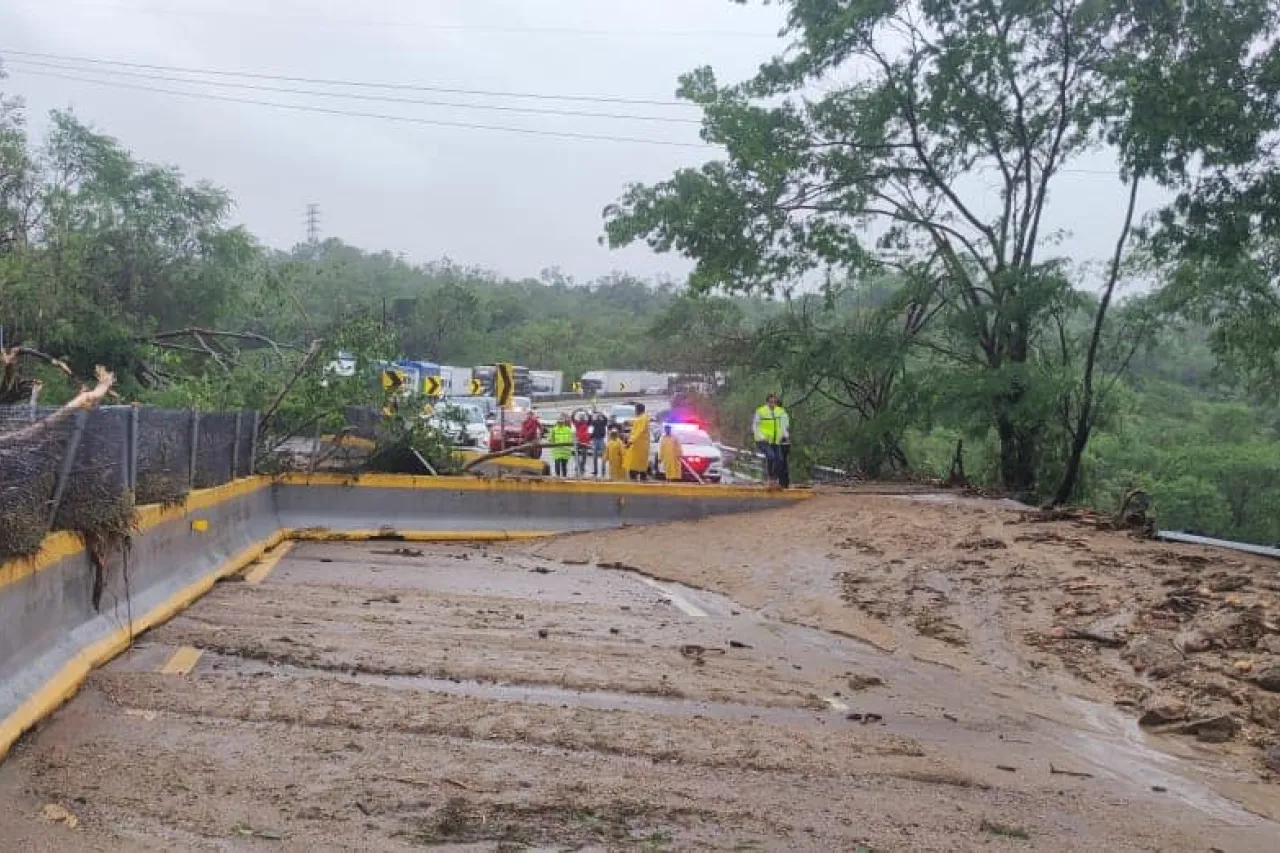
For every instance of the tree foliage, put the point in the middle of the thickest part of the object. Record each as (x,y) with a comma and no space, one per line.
(869,146)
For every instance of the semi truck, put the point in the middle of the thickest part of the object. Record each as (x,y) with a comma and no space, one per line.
(524,383)
(624,382)
(548,382)
(456,380)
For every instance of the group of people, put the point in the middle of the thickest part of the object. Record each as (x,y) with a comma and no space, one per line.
(591,435)
(585,436)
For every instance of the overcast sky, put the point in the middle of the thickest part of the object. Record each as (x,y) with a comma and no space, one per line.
(511,202)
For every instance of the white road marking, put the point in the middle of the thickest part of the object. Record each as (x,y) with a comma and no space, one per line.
(685,606)
(836,704)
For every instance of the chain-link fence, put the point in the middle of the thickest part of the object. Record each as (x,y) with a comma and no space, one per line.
(85,471)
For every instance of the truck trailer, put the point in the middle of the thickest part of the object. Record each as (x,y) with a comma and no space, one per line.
(624,382)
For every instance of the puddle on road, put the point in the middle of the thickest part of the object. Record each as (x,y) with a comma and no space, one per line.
(539,694)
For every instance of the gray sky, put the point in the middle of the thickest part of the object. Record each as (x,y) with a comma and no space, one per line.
(511,202)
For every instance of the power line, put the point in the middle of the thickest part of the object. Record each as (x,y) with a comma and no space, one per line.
(557,134)
(415,25)
(259,87)
(409,87)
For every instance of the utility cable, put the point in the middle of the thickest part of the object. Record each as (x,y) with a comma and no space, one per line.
(557,134)
(260,87)
(410,87)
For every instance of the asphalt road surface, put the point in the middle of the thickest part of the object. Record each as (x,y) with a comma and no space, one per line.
(390,697)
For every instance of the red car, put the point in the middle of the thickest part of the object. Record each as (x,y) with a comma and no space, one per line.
(510,431)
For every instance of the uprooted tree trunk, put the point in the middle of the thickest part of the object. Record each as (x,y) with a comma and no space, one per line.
(86,399)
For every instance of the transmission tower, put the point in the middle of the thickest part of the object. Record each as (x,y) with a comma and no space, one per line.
(313,223)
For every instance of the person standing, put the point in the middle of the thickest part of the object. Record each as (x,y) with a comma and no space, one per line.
(615,455)
(638,446)
(582,437)
(599,432)
(530,432)
(669,454)
(562,441)
(771,428)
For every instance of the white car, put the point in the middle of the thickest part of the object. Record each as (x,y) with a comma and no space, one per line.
(699,452)
(461,423)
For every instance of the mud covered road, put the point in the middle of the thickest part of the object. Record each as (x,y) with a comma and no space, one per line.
(393,697)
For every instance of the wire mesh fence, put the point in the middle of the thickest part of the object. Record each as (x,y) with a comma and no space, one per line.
(32,443)
(96,493)
(164,456)
(86,471)
(215,449)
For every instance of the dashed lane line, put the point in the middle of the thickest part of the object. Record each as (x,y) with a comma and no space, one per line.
(182,661)
(259,573)
(684,605)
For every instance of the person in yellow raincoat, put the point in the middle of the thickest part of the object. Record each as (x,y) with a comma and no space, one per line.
(637,459)
(614,453)
(669,453)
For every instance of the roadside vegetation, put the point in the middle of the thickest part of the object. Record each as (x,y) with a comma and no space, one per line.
(918,322)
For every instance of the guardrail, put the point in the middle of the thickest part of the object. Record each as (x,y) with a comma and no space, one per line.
(750,464)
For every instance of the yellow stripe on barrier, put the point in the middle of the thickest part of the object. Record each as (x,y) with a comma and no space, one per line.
(63,544)
(603,487)
(182,662)
(325,534)
(64,684)
(258,573)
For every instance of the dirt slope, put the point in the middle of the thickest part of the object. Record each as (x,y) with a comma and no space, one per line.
(1187,636)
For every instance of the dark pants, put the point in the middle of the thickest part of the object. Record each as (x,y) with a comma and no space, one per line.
(562,467)
(772,458)
(597,455)
(784,465)
(639,475)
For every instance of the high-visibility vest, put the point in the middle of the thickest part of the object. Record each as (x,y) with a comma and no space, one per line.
(771,424)
(562,434)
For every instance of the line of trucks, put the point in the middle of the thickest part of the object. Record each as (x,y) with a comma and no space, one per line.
(456,381)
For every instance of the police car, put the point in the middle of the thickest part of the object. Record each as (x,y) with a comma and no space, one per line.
(697,449)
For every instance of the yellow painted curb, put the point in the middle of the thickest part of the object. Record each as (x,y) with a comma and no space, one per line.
(258,573)
(603,487)
(324,534)
(62,686)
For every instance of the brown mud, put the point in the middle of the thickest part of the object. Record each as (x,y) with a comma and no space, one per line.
(856,673)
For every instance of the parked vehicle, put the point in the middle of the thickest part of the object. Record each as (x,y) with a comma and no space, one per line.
(699,452)
(623,381)
(623,415)
(462,423)
(547,382)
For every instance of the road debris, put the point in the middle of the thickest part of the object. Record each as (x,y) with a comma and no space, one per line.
(54,813)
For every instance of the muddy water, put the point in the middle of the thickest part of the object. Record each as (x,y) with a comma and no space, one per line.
(374,697)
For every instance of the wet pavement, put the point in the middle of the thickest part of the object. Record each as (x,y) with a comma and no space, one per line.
(385,697)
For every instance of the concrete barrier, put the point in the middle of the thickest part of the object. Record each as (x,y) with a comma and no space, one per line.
(53,633)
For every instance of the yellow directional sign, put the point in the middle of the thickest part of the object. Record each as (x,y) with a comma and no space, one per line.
(392,380)
(432,386)
(504,383)
(476,387)
(622,386)
(576,387)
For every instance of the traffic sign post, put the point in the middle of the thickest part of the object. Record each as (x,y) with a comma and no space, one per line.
(432,386)
(504,383)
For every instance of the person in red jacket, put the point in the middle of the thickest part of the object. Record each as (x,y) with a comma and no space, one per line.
(582,433)
(531,430)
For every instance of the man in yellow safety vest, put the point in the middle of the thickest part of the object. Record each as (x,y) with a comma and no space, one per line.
(771,428)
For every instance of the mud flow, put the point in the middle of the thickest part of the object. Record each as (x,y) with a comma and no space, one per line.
(387,696)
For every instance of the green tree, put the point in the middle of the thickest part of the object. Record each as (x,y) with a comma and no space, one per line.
(861,176)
